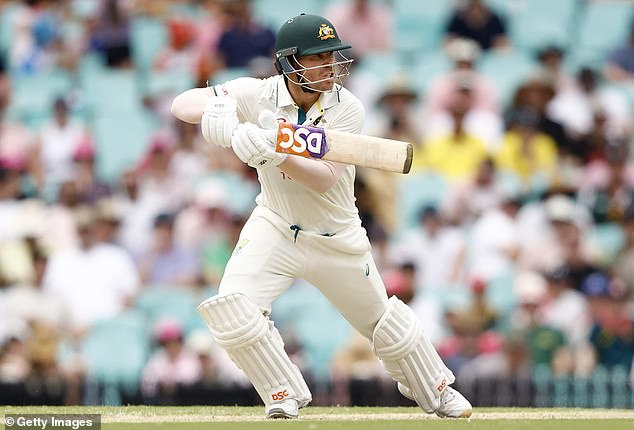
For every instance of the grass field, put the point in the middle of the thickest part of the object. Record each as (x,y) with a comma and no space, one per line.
(339,418)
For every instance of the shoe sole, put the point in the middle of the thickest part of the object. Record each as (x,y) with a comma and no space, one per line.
(279,413)
(464,414)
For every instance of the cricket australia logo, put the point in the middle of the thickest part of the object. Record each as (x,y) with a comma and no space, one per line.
(240,246)
(326,32)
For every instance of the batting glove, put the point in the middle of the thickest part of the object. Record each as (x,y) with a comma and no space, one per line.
(251,145)
(219,120)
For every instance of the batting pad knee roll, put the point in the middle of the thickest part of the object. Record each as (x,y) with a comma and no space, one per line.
(255,345)
(409,357)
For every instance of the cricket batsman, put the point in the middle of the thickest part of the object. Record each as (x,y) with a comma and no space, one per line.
(305,225)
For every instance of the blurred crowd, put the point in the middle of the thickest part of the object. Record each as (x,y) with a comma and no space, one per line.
(512,238)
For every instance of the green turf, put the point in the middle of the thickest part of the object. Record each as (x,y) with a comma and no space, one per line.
(141,413)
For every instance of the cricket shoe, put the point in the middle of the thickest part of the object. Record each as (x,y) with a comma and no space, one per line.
(453,405)
(286,409)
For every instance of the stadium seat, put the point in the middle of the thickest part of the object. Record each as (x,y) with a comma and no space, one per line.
(417,190)
(419,25)
(33,95)
(7,15)
(273,13)
(507,70)
(225,75)
(428,68)
(148,37)
(176,303)
(121,139)
(603,26)
(116,349)
(110,91)
(168,83)
(536,23)
(608,238)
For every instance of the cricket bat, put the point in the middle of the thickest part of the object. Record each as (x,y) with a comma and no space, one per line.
(348,148)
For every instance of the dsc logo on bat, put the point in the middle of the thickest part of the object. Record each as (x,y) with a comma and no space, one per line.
(309,142)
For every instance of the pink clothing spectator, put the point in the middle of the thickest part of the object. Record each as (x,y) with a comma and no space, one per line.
(443,90)
(366,26)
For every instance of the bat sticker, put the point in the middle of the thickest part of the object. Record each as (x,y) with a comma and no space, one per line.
(309,142)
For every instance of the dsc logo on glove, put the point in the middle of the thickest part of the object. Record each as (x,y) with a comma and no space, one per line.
(309,142)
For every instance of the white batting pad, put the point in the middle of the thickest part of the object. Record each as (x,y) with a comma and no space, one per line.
(409,357)
(256,346)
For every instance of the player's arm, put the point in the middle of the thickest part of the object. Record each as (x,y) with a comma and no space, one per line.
(189,105)
(217,116)
(319,176)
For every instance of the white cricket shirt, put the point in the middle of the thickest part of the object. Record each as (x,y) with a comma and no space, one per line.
(330,212)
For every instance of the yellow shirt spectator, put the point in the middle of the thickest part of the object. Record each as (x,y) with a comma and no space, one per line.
(527,154)
(454,156)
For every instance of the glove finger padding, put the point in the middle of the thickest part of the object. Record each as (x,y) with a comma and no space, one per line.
(252,147)
(242,145)
(219,120)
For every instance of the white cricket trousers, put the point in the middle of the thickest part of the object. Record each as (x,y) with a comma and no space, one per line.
(269,256)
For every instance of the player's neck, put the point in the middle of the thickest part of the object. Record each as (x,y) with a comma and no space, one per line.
(302,98)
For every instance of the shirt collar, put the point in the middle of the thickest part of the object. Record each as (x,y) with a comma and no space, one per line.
(283,98)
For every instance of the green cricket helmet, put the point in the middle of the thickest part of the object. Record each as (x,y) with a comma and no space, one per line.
(308,35)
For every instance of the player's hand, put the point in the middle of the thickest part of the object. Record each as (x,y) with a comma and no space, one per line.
(219,120)
(252,146)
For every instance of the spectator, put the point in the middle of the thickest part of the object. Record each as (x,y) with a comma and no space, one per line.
(494,245)
(110,35)
(607,182)
(467,201)
(173,364)
(189,161)
(217,369)
(455,151)
(463,106)
(94,280)
(138,208)
(216,253)
(547,345)
(479,315)
(156,182)
(612,333)
(563,240)
(464,53)
(167,263)
(587,109)
(525,152)
(59,139)
(476,21)
(436,249)
(623,267)
(244,38)
(566,309)
(551,66)
(397,114)
(536,93)
(619,66)
(366,25)
(89,186)
(181,54)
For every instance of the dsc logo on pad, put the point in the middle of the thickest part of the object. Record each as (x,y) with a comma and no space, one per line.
(309,142)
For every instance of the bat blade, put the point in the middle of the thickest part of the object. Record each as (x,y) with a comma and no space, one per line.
(342,147)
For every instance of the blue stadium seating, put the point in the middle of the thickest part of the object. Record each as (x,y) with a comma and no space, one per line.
(33,95)
(164,302)
(116,349)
